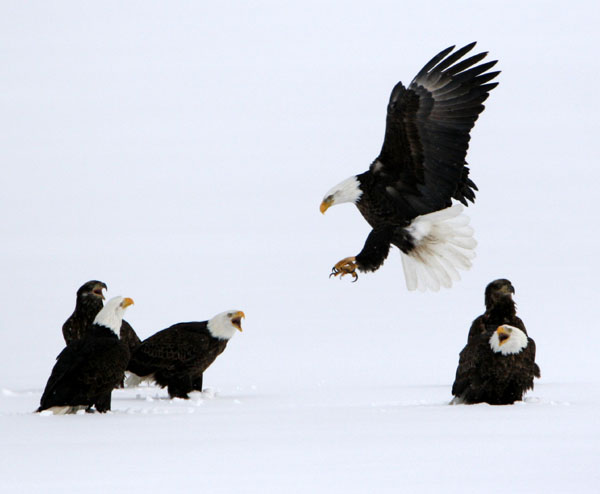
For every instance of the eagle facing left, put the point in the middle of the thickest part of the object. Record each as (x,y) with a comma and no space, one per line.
(406,195)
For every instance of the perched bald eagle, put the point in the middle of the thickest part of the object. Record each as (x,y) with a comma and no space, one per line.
(88,303)
(497,366)
(177,357)
(88,369)
(406,195)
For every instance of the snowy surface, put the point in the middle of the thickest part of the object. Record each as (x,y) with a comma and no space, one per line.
(326,439)
(179,153)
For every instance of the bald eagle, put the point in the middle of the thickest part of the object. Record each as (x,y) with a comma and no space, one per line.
(497,366)
(406,195)
(88,369)
(88,303)
(177,357)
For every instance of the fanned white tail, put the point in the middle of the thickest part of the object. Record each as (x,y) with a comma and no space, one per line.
(443,243)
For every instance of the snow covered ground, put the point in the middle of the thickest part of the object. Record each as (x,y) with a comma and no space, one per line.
(326,439)
(179,152)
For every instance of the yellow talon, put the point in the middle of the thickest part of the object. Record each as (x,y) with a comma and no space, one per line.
(344,267)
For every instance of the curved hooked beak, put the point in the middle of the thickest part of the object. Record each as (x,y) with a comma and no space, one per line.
(236,320)
(98,290)
(503,334)
(327,202)
(126,302)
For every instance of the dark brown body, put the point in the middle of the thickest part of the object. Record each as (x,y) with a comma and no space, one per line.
(177,357)
(86,371)
(484,375)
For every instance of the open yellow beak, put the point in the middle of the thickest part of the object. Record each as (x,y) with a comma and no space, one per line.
(236,320)
(503,334)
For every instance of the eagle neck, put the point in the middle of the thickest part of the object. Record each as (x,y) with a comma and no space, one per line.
(88,307)
(349,190)
(220,328)
(110,318)
(101,331)
(505,307)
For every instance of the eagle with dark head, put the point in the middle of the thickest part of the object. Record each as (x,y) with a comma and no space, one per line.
(497,366)
(406,195)
(89,301)
(177,357)
(88,369)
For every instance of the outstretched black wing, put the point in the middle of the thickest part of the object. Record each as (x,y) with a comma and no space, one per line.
(422,162)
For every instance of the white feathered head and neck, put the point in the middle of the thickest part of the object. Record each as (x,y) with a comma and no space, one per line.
(347,191)
(111,315)
(508,340)
(224,325)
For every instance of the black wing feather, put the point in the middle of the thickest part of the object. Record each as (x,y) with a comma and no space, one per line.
(84,369)
(427,132)
(170,349)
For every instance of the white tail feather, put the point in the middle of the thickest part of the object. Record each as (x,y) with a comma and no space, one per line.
(63,409)
(444,243)
(132,380)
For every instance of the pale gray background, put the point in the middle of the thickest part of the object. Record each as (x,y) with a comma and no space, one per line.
(179,151)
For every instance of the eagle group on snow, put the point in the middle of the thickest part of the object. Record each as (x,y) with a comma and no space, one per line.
(406,196)
(101,347)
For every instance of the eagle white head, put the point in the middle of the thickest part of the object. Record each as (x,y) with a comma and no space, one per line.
(508,340)
(111,315)
(225,324)
(347,191)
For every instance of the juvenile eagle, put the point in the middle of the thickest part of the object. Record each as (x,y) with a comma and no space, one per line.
(88,303)
(406,195)
(177,357)
(88,369)
(497,366)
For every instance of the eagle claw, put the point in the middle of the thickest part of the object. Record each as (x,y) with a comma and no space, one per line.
(344,267)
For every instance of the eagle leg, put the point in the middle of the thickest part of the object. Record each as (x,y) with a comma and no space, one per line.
(344,267)
(197,383)
(103,402)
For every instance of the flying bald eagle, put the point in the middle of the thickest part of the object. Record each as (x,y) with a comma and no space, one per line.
(88,369)
(177,357)
(406,195)
(497,366)
(88,303)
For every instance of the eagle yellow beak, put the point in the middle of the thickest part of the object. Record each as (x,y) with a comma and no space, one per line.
(126,302)
(328,201)
(503,334)
(236,319)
